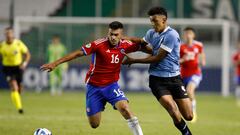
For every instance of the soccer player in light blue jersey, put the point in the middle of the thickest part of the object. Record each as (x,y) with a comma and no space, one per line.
(165,81)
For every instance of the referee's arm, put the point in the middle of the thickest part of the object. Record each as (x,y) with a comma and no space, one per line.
(27,57)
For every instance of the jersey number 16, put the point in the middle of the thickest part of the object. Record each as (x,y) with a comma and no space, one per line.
(115,58)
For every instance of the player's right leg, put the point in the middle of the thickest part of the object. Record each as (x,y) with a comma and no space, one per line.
(16,98)
(53,80)
(95,104)
(191,84)
(159,87)
(11,74)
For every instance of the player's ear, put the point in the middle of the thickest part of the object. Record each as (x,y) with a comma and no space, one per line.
(165,19)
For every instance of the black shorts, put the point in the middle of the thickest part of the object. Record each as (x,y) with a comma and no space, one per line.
(13,73)
(161,86)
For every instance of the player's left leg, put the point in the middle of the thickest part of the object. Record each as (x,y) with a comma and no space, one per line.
(16,98)
(59,81)
(185,108)
(192,84)
(123,107)
(116,97)
(19,77)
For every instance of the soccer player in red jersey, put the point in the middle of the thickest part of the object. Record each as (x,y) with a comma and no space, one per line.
(101,79)
(190,52)
(236,63)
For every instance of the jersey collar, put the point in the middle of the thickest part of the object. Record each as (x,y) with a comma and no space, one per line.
(165,30)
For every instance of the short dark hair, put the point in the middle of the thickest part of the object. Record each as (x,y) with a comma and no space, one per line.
(157,11)
(55,36)
(115,25)
(189,28)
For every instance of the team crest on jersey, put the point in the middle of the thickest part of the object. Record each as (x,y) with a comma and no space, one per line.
(88,45)
(196,50)
(15,52)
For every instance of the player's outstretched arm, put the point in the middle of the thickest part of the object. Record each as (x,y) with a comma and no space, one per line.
(151,59)
(140,41)
(51,66)
(146,49)
(134,39)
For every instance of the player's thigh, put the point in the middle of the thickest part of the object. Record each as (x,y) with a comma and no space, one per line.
(95,101)
(193,81)
(168,103)
(114,94)
(123,107)
(13,84)
(19,75)
(158,86)
(191,89)
(185,107)
(94,120)
(11,74)
(122,104)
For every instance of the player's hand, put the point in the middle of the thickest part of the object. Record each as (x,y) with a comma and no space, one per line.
(23,65)
(128,60)
(48,67)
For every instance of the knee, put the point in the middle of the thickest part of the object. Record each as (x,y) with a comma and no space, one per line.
(94,125)
(188,117)
(124,109)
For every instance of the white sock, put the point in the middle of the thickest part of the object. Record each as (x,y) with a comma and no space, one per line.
(194,105)
(134,125)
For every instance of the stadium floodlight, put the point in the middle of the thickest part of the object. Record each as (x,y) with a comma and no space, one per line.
(228,30)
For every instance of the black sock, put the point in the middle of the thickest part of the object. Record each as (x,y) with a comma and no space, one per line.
(182,126)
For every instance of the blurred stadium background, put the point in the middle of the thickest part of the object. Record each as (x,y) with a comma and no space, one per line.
(36,21)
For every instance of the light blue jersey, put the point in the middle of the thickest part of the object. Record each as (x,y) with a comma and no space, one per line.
(168,40)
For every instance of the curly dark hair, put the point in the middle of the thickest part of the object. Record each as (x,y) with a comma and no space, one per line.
(157,11)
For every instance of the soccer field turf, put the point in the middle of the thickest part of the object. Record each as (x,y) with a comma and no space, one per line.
(65,115)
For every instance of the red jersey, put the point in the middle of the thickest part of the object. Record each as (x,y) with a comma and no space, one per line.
(106,60)
(191,66)
(236,57)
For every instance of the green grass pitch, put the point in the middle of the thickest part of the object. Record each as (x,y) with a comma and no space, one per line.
(65,115)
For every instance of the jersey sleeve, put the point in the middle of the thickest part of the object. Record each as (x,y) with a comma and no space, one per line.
(89,48)
(23,47)
(200,48)
(132,47)
(168,42)
(147,37)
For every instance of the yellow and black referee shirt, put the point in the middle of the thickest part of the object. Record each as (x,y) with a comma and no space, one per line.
(12,53)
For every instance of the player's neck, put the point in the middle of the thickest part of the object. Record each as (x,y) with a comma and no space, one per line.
(190,42)
(163,30)
(9,41)
(113,46)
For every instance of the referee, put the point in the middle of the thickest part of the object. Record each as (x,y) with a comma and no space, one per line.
(15,58)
